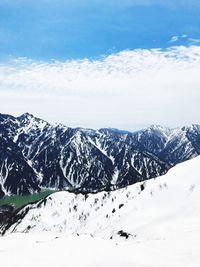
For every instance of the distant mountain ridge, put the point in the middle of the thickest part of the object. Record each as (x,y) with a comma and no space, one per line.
(35,155)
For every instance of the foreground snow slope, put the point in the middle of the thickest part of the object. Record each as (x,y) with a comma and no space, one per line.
(20,250)
(156,209)
(161,219)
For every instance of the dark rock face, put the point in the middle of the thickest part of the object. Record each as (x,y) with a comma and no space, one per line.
(35,154)
(17,177)
(6,213)
(9,215)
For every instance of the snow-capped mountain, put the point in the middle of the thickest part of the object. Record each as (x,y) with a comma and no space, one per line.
(85,160)
(162,208)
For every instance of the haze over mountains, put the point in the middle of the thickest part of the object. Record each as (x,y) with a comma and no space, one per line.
(36,155)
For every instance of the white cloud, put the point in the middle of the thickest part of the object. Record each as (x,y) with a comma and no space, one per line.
(186,38)
(194,41)
(174,39)
(127,90)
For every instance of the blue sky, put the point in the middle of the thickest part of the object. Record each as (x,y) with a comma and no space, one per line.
(58,29)
(92,63)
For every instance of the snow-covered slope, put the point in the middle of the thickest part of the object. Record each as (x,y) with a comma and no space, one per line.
(20,250)
(85,160)
(156,209)
(151,224)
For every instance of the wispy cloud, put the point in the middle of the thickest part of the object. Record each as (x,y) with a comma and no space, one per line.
(126,90)
(185,38)
(194,41)
(174,39)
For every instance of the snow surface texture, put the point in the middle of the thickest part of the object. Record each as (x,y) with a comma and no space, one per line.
(156,223)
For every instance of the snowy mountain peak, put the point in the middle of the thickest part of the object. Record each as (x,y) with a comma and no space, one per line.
(28,118)
(86,160)
(26,115)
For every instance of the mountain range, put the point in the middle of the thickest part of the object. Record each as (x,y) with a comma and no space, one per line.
(36,155)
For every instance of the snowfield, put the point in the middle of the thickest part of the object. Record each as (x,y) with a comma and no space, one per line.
(154,224)
(21,250)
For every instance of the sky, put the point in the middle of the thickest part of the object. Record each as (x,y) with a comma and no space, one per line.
(123,64)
